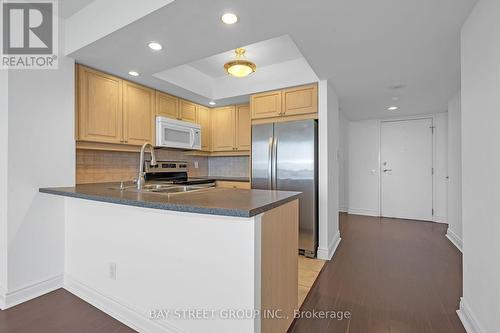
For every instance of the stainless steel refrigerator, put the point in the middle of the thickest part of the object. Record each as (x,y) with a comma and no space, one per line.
(284,157)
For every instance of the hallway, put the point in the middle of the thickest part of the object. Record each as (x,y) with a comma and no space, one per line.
(392,275)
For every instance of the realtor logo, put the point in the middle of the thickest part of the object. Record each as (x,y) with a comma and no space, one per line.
(29,34)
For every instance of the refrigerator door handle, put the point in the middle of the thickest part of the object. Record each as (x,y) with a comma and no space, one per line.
(275,164)
(270,164)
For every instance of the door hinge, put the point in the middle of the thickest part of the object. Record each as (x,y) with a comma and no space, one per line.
(432,129)
(432,211)
(432,171)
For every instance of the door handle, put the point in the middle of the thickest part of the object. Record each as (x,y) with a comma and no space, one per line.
(275,166)
(386,170)
(270,164)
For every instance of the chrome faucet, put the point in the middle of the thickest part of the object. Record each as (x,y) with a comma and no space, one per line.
(140,178)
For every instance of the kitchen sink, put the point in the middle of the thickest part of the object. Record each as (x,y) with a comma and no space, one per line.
(162,188)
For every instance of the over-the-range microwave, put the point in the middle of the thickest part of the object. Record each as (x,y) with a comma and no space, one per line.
(174,133)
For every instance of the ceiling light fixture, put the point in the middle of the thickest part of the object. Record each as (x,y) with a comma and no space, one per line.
(211,103)
(133,73)
(240,67)
(392,108)
(229,18)
(155,46)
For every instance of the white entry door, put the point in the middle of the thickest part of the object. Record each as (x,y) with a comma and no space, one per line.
(406,169)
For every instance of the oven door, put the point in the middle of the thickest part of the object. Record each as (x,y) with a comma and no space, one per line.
(169,134)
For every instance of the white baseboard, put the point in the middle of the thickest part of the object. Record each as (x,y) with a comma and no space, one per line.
(365,212)
(121,312)
(468,319)
(440,219)
(343,209)
(2,298)
(327,254)
(27,293)
(454,239)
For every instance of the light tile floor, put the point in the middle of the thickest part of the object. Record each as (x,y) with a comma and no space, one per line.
(309,270)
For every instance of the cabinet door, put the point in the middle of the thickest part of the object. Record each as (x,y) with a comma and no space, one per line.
(243,127)
(223,129)
(203,118)
(166,105)
(266,105)
(187,111)
(300,100)
(99,107)
(138,114)
(232,184)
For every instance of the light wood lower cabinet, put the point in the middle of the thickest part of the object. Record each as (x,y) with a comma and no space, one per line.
(232,184)
(99,107)
(138,114)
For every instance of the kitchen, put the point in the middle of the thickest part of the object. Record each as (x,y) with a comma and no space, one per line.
(116,124)
(236,166)
(183,166)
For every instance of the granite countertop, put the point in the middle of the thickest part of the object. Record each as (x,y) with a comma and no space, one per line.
(213,201)
(226,178)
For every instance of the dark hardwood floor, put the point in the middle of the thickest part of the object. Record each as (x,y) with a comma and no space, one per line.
(392,275)
(58,312)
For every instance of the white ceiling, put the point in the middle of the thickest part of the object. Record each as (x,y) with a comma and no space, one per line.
(70,7)
(363,47)
(264,53)
(279,64)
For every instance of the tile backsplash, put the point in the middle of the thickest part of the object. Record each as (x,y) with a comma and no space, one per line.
(96,166)
(230,166)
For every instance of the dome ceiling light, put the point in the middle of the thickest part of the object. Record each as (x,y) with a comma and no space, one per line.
(240,67)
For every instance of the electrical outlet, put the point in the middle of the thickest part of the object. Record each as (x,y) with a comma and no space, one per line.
(112,271)
(196,164)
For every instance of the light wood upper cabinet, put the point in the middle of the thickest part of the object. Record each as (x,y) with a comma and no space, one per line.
(99,107)
(138,114)
(223,128)
(296,103)
(187,111)
(203,118)
(266,105)
(166,105)
(243,127)
(300,100)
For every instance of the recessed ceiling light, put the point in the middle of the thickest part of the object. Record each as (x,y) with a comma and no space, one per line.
(155,46)
(229,18)
(211,103)
(133,73)
(392,108)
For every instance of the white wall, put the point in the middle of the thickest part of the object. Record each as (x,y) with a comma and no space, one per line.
(440,187)
(480,166)
(364,171)
(363,184)
(156,268)
(41,153)
(3,181)
(455,171)
(329,236)
(343,162)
